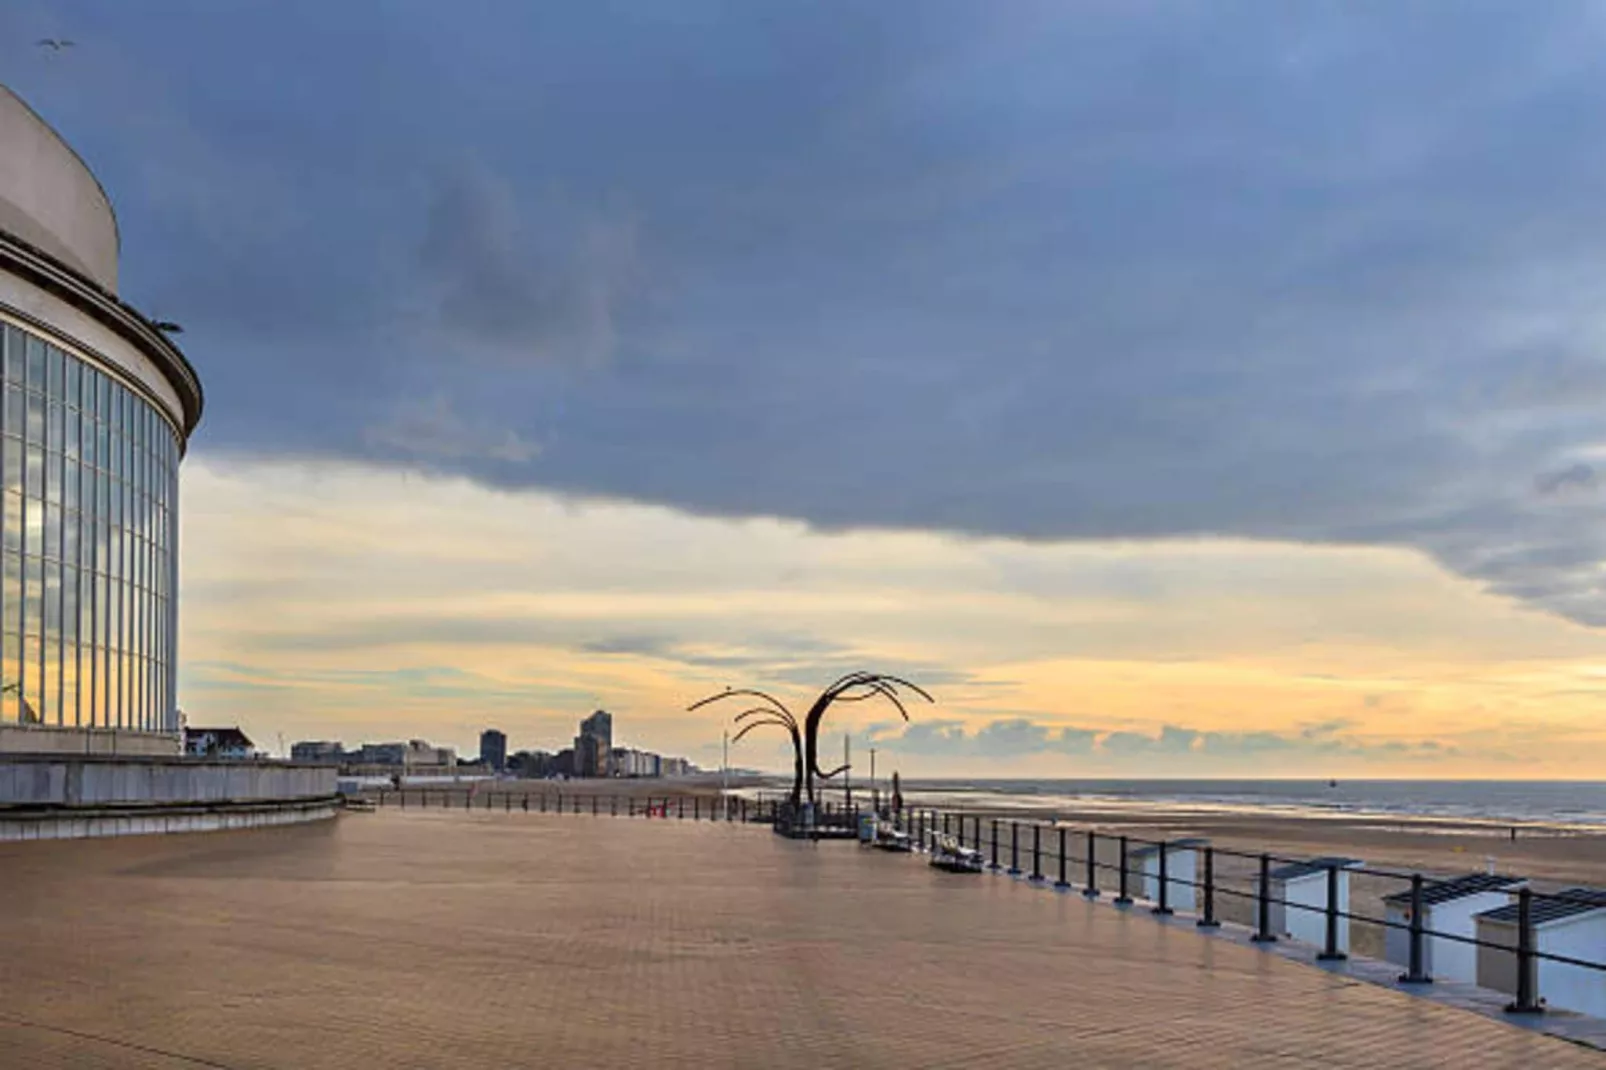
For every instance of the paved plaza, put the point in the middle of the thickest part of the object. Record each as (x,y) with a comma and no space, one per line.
(451,939)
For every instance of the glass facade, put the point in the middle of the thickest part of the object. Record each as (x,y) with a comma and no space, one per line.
(88,536)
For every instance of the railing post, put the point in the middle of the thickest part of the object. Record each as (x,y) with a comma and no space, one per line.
(543,802)
(1092,888)
(1331,952)
(1123,899)
(995,843)
(1527,1001)
(1037,851)
(1414,973)
(1263,934)
(945,823)
(1062,882)
(1163,905)
(593,805)
(1208,921)
(524,802)
(976,828)
(1014,848)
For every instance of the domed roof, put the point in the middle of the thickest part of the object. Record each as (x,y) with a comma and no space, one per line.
(50,199)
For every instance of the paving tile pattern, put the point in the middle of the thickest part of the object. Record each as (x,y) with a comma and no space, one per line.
(452,939)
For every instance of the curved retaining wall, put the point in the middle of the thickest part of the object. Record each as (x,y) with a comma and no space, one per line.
(71,796)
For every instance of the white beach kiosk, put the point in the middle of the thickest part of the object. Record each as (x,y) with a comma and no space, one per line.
(1299,900)
(1181,872)
(1573,925)
(1449,909)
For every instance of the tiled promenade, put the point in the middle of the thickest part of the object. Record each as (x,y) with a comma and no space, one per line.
(402,940)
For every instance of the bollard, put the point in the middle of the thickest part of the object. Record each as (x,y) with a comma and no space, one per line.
(1414,973)
(1163,907)
(1527,1001)
(1263,933)
(1123,899)
(1330,952)
(1208,921)
(994,864)
(1062,882)
(680,807)
(559,802)
(945,823)
(697,808)
(1092,889)
(577,804)
(1014,848)
(1037,851)
(404,800)
(593,805)
(487,800)
(507,804)
(744,809)
(543,802)
(975,828)
(524,801)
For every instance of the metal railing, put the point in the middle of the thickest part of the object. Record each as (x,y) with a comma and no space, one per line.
(987,833)
(1525,953)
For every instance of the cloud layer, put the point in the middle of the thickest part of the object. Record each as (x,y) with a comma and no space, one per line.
(1315,273)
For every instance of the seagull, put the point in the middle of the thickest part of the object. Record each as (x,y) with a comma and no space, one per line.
(56,44)
(167,326)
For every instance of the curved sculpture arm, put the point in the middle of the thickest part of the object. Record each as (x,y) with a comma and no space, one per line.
(782,716)
(737,738)
(843,689)
(774,702)
(772,718)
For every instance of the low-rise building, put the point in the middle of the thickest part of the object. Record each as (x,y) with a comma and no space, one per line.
(1572,924)
(1449,912)
(1299,900)
(1181,872)
(325,751)
(218,743)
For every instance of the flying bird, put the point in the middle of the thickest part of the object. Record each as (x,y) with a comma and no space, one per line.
(167,326)
(55,44)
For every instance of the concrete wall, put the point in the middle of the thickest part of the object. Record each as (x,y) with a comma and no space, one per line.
(43,739)
(50,199)
(85,824)
(80,781)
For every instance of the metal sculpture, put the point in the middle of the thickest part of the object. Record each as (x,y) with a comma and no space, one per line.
(854,687)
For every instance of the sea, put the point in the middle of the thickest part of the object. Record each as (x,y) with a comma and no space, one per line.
(1566,804)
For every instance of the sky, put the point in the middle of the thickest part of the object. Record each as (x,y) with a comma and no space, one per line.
(1173,388)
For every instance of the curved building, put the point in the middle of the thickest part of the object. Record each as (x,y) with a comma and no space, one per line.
(97,406)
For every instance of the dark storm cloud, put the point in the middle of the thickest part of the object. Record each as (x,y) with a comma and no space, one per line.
(1313,272)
